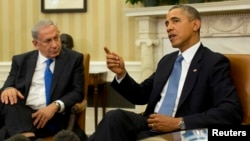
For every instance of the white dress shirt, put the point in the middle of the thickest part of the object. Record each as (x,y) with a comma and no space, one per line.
(36,98)
(187,58)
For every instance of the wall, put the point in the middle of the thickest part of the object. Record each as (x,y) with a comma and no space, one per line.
(104,24)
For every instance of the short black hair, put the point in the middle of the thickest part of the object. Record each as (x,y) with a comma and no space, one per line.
(67,40)
(192,12)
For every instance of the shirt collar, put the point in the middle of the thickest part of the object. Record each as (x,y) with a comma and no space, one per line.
(190,52)
(41,58)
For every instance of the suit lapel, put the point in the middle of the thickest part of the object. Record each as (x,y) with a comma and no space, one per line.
(30,67)
(59,66)
(162,75)
(192,75)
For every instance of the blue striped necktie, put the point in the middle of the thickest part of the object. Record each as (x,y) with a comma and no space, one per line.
(172,89)
(48,79)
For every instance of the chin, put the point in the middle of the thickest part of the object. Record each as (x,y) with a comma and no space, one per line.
(174,46)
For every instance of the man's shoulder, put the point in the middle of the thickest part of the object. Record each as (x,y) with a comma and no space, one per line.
(71,52)
(170,55)
(26,54)
(70,55)
(208,53)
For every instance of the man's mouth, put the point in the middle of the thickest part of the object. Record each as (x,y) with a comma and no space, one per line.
(171,36)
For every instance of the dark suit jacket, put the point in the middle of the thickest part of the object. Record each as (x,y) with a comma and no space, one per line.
(67,83)
(208,96)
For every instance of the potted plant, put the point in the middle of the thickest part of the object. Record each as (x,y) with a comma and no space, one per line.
(153,2)
(133,1)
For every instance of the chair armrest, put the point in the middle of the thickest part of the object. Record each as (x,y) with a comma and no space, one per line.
(75,110)
(79,107)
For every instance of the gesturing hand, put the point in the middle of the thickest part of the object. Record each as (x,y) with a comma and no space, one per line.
(115,63)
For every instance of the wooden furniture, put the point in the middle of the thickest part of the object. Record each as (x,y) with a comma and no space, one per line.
(98,81)
(78,111)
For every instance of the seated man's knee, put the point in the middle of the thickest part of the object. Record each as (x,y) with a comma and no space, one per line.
(115,114)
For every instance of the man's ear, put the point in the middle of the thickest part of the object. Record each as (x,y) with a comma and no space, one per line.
(197,24)
(34,42)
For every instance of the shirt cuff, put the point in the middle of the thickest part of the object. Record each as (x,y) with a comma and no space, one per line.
(119,80)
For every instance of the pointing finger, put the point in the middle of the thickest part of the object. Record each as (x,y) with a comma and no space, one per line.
(107,50)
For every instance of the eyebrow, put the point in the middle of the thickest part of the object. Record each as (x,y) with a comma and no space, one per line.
(173,18)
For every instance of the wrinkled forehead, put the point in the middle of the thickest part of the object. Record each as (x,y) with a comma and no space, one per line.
(175,13)
(48,32)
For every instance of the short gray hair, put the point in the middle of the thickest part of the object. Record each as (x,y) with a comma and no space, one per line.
(37,27)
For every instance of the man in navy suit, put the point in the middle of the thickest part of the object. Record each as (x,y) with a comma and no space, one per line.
(23,100)
(206,95)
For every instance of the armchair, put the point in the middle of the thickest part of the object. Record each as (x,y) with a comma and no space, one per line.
(240,72)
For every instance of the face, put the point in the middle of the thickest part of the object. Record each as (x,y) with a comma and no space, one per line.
(182,31)
(48,42)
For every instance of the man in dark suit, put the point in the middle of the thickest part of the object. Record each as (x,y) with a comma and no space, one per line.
(205,96)
(23,100)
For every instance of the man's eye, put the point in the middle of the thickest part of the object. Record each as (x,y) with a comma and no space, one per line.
(175,21)
(166,23)
(47,41)
(56,38)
